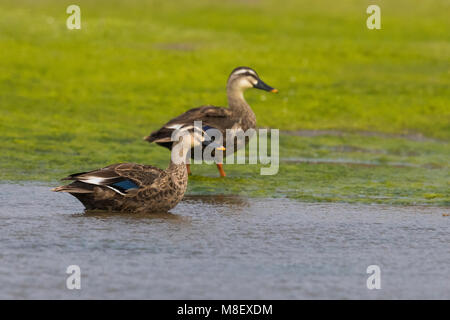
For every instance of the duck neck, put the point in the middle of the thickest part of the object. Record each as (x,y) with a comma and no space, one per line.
(176,166)
(238,105)
(178,161)
(178,174)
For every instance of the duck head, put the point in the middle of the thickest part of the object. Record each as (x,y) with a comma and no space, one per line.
(187,137)
(242,78)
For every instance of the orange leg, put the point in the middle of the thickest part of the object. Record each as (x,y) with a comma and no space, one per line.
(220,167)
(188,168)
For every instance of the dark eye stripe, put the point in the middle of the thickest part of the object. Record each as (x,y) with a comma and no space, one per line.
(250,74)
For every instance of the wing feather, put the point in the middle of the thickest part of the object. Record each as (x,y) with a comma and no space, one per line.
(118,177)
(211,116)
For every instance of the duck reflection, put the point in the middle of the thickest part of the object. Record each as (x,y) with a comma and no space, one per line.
(232,201)
(142,216)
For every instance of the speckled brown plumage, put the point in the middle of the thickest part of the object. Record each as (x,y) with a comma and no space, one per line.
(238,115)
(159,190)
(131,187)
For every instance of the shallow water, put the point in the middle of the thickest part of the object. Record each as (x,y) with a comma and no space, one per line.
(220,247)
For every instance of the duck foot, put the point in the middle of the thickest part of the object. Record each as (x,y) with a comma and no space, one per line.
(220,167)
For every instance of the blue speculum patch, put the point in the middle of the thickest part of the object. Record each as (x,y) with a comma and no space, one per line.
(207,128)
(125,185)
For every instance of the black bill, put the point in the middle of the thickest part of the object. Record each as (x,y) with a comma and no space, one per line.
(263,86)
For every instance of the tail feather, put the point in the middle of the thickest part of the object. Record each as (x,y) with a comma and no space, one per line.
(162,135)
(76,187)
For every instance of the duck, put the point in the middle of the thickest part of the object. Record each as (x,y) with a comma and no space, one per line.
(238,116)
(137,188)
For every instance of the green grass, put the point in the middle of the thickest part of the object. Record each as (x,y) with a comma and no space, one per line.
(72,100)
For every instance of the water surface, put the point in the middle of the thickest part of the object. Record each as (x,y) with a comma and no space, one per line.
(219,247)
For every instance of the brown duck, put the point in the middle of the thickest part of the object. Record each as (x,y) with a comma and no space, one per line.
(238,115)
(137,188)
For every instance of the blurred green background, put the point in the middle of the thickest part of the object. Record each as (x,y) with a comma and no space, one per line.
(75,100)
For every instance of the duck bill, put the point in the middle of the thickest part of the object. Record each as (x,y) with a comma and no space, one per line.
(264,86)
(212,143)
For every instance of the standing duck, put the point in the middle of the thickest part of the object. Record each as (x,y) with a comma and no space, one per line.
(137,188)
(237,116)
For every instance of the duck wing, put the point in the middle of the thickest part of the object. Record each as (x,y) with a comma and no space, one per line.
(121,178)
(211,116)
